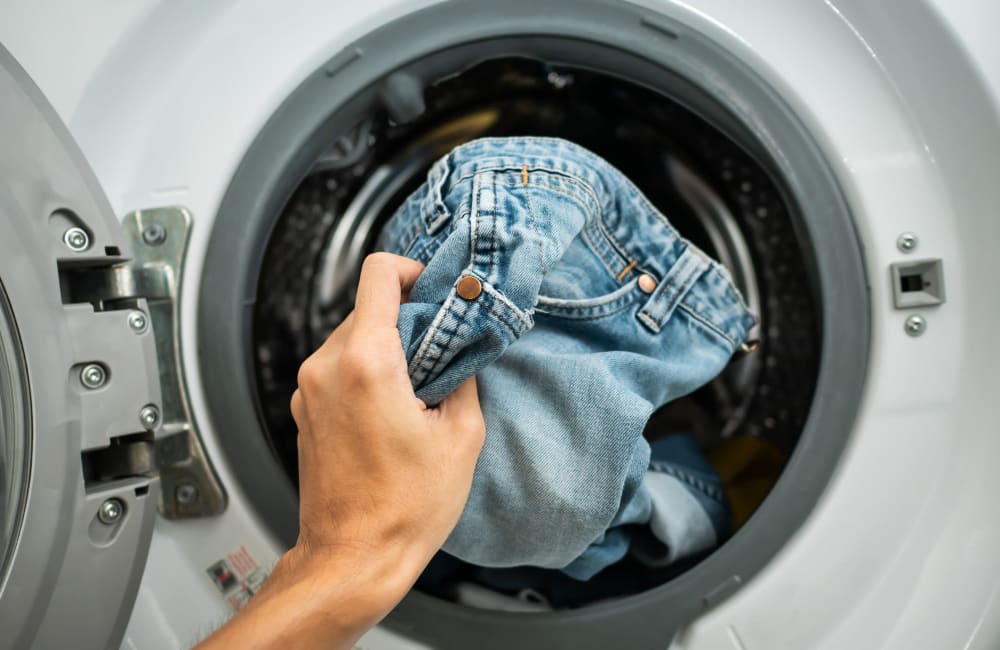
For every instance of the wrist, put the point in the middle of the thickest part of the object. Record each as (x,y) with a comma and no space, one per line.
(354,587)
(318,599)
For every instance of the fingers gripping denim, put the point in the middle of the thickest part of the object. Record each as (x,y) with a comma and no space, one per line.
(572,351)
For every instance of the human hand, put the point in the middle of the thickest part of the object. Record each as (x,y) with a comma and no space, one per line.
(378,470)
(383,479)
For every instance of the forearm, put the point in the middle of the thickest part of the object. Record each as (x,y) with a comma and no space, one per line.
(312,601)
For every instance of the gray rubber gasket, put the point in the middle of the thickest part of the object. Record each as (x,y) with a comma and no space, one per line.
(618,39)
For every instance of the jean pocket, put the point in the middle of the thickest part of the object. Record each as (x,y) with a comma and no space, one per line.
(591,308)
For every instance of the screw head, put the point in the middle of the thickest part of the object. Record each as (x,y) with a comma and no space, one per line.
(76,239)
(907,242)
(149,416)
(138,322)
(111,511)
(93,375)
(154,234)
(915,325)
(186,493)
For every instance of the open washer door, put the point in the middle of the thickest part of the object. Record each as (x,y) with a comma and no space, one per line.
(79,391)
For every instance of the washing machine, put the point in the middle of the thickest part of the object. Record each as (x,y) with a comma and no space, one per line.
(187,192)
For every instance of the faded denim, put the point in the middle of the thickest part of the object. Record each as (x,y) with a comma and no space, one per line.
(572,352)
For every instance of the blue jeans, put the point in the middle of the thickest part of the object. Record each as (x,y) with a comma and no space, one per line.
(551,278)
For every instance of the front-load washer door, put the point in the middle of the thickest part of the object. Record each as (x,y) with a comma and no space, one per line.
(79,391)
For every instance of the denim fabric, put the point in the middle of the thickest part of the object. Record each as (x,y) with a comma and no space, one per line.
(571,353)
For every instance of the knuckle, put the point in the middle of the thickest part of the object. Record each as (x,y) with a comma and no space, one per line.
(474,426)
(354,364)
(477,430)
(377,260)
(365,363)
(310,376)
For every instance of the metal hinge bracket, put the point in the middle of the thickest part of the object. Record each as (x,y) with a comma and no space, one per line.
(158,238)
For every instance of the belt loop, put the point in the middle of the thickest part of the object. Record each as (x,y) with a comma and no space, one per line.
(672,288)
(483,224)
(435,212)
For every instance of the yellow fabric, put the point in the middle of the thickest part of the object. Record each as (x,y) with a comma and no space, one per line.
(749,467)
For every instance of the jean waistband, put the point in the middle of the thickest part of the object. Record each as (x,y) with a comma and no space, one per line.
(623,227)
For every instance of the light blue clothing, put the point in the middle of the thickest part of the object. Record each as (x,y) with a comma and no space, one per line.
(572,350)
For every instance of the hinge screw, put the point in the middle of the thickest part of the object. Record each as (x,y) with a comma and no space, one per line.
(138,322)
(149,416)
(154,234)
(111,511)
(915,325)
(186,493)
(76,239)
(93,376)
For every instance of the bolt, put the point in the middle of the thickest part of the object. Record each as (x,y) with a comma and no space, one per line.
(915,325)
(93,376)
(76,239)
(111,511)
(149,416)
(154,234)
(907,242)
(138,322)
(186,493)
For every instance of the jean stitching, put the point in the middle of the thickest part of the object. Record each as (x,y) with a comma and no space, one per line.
(483,243)
(503,319)
(413,239)
(649,321)
(579,200)
(519,314)
(439,358)
(674,291)
(704,320)
(427,248)
(598,250)
(628,294)
(474,232)
(710,491)
(583,184)
(578,316)
(618,247)
(442,337)
(533,222)
(423,349)
(655,302)
(494,230)
(651,209)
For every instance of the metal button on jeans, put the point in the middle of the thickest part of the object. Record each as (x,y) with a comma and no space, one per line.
(469,288)
(646,283)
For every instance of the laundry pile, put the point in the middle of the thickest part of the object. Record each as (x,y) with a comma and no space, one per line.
(580,310)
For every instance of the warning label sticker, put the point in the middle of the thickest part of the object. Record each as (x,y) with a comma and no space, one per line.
(238,577)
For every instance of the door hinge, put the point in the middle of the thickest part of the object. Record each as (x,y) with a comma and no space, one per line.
(158,237)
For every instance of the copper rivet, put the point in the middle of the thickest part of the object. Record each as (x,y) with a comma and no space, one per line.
(647,283)
(469,288)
